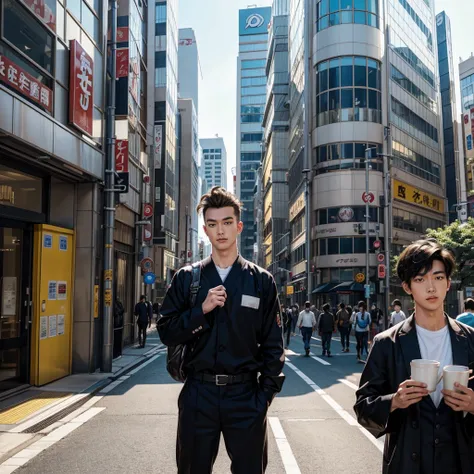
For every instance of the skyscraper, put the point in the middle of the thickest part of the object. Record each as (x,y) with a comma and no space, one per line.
(455,177)
(251,98)
(214,162)
(188,67)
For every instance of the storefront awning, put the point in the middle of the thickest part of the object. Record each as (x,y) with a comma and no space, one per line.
(348,286)
(325,287)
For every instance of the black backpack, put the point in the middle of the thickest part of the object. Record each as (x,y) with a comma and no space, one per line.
(177,354)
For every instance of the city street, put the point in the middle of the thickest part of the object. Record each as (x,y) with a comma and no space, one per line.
(312,428)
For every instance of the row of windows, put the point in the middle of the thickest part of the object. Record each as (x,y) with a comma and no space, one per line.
(333,215)
(252,72)
(415,163)
(344,245)
(403,112)
(251,137)
(254,81)
(335,12)
(347,71)
(409,221)
(251,118)
(252,109)
(425,30)
(298,225)
(250,47)
(253,63)
(251,156)
(211,150)
(412,89)
(299,254)
(260,90)
(253,100)
(353,164)
(341,274)
(339,151)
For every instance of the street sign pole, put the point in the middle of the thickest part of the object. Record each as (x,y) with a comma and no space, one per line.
(367,220)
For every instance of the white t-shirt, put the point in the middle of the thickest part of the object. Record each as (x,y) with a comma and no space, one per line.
(397,317)
(307,319)
(223,272)
(436,345)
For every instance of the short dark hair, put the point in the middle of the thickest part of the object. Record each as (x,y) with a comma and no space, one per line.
(326,307)
(397,303)
(363,304)
(469,303)
(143,297)
(418,258)
(307,304)
(216,198)
(342,305)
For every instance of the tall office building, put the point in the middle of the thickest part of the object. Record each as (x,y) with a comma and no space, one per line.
(251,99)
(274,221)
(188,67)
(373,91)
(166,166)
(453,160)
(214,162)
(466,76)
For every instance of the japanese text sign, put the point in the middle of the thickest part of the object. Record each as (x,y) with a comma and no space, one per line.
(410,194)
(121,156)
(45,10)
(81,88)
(122,62)
(25,83)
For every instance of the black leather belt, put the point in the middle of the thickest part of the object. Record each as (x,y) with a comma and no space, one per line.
(224,379)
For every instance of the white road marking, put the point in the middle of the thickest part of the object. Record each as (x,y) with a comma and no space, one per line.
(289,461)
(349,384)
(305,419)
(336,407)
(318,339)
(318,359)
(142,366)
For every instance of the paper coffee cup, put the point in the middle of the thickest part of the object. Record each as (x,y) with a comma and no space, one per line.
(453,374)
(425,371)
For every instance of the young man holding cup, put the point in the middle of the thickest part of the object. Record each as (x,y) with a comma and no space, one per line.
(427,432)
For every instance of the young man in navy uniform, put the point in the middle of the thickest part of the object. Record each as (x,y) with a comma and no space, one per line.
(236,356)
(425,433)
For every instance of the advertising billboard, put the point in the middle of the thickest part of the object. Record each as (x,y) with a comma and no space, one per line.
(254,21)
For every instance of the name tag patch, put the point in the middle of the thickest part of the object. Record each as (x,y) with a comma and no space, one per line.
(250,301)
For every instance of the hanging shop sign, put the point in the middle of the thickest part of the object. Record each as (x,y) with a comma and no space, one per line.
(121,156)
(297,207)
(360,278)
(122,63)
(81,88)
(409,194)
(157,145)
(147,210)
(147,234)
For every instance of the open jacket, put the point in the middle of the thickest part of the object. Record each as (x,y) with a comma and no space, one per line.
(388,365)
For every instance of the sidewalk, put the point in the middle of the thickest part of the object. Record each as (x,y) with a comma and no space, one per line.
(27,416)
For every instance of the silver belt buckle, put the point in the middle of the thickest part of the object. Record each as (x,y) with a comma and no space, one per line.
(218,380)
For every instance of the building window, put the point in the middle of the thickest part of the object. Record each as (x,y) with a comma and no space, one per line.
(160,77)
(253,81)
(414,222)
(345,245)
(160,12)
(253,63)
(418,22)
(338,12)
(348,89)
(335,215)
(251,137)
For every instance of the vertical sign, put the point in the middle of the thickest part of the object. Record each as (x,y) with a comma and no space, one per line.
(158,145)
(81,88)
(121,156)
(122,62)
(147,235)
(472,121)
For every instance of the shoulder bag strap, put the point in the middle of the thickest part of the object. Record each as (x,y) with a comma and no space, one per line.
(195,284)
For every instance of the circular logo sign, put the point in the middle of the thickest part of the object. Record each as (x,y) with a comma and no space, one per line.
(466,119)
(380,257)
(254,21)
(147,210)
(149,278)
(377,244)
(360,277)
(368,197)
(146,264)
(439,20)
(345,214)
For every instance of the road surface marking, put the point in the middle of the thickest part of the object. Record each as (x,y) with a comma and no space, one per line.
(319,339)
(336,407)
(289,461)
(305,419)
(349,384)
(321,361)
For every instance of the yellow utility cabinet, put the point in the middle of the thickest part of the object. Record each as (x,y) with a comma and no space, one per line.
(51,335)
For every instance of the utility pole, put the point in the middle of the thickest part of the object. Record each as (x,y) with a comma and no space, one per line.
(186,236)
(109,208)
(368,151)
(387,213)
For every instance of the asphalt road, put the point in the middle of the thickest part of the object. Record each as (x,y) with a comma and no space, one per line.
(312,426)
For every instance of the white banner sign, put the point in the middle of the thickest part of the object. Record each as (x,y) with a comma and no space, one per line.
(158,145)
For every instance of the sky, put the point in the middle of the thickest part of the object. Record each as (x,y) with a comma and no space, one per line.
(215,23)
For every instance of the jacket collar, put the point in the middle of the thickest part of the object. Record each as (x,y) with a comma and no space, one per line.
(231,284)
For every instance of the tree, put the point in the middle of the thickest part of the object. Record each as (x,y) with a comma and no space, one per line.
(459,238)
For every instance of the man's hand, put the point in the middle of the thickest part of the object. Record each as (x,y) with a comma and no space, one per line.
(462,400)
(215,297)
(408,393)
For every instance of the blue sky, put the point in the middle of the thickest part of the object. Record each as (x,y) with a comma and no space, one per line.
(215,23)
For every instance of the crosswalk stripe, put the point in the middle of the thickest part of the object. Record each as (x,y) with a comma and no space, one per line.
(287,456)
(349,384)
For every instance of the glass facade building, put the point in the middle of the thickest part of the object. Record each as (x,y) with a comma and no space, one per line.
(251,99)
(214,162)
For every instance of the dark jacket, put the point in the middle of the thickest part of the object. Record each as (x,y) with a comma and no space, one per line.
(244,336)
(343,319)
(326,322)
(388,365)
(144,312)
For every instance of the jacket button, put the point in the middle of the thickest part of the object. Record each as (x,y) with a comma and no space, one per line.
(438,426)
(414,457)
(221,348)
(436,441)
(414,425)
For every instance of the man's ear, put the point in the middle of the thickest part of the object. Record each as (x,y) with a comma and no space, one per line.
(240,227)
(406,287)
(204,228)
(449,284)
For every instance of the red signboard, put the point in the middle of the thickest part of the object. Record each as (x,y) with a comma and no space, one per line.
(81,88)
(25,83)
(147,235)
(122,62)
(147,210)
(472,121)
(121,156)
(381,270)
(122,34)
(368,197)
(45,10)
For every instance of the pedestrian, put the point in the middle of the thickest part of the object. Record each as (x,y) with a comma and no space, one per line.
(286,316)
(398,315)
(361,321)
(326,328)
(156,309)
(119,311)
(376,315)
(425,433)
(468,316)
(307,324)
(343,318)
(144,313)
(235,356)
(294,318)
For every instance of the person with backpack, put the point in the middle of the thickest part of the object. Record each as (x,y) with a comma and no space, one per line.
(362,321)
(468,316)
(230,323)
(343,318)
